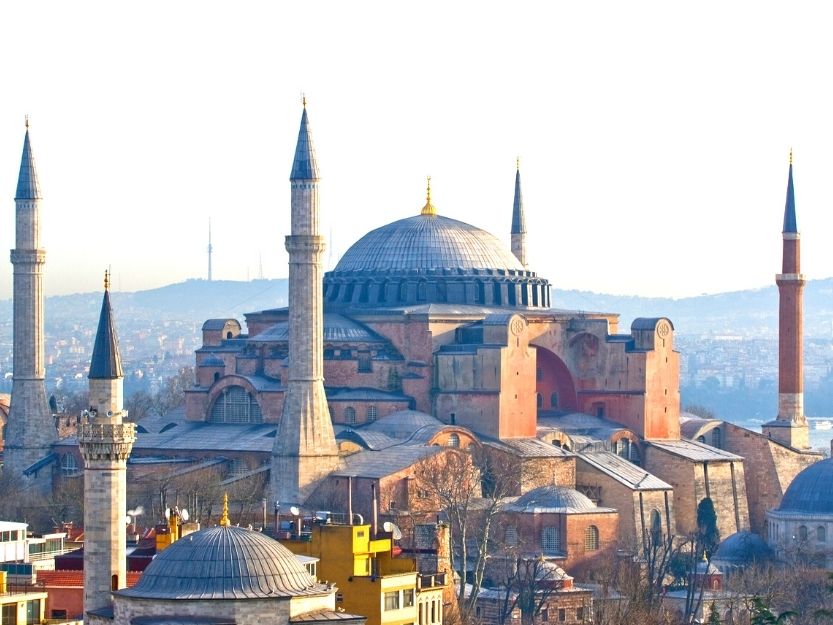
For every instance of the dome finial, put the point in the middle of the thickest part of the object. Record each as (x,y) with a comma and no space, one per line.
(224,520)
(429,208)
(27,121)
(106,279)
(791,155)
(517,163)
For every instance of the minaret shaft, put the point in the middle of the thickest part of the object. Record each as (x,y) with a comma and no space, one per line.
(31,429)
(790,426)
(105,441)
(305,450)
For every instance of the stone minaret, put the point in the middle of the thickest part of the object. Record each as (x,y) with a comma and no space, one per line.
(31,428)
(210,251)
(790,427)
(305,450)
(105,441)
(518,220)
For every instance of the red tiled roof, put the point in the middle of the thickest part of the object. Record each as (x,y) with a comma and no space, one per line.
(75,579)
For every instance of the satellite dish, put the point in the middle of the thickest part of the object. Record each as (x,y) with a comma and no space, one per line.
(388,526)
(167,512)
(396,533)
(294,510)
(128,520)
(185,515)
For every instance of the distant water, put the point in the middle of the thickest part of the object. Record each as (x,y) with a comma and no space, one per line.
(819,439)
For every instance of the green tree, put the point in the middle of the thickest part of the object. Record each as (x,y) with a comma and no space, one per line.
(763,615)
(707,533)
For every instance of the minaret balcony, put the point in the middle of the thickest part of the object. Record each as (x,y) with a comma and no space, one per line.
(106,441)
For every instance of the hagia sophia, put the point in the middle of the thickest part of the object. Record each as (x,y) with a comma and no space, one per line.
(429,336)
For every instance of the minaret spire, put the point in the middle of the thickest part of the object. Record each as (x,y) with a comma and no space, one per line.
(305,450)
(790,427)
(210,249)
(518,218)
(105,441)
(31,428)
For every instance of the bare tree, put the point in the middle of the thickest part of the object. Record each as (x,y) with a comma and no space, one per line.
(468,486)
(529,586)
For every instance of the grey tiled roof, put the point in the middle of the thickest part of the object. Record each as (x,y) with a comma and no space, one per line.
(201,436)
(363,394)
(368,439)
(531,448)
(623,471)
(378,464)
(693,450)
(225,562)
(427,242)
(105,363)
(28,187)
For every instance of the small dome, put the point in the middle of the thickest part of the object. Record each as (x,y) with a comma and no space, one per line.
(811,491)
(743,548)
(224,562)
(552,499)
(427,242)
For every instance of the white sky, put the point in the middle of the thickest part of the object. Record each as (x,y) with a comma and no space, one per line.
(653,136)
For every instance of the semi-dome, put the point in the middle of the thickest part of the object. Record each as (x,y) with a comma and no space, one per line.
(428,242)
(224,562)
(552,499)
(811,491)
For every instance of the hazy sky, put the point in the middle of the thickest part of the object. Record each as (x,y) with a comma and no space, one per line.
(653,136)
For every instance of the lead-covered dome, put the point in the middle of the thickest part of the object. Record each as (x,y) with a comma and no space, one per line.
(428,242)
(431,259)
(553,499)
(811,491)
(224,562)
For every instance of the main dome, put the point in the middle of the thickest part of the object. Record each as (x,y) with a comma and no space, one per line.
(430,259)
(428,242)
(224,562)
(811,491)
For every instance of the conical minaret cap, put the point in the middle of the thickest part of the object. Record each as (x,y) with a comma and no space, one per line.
(27,181)
(790,222)
(518,219)
(106,361)
(304,167)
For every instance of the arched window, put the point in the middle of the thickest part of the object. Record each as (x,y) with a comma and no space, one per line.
(422,291)
(656,528)
(229,335)
(623,448)
(371,413)
(216,375)
(554,400)
(511,536)
(591,538)
(802,532)
(701,439)
(550,539)
(716,438)
(350,415)
(403,291)
(69,465)
(235,405)
(821,534)
(453,440)
(539,400)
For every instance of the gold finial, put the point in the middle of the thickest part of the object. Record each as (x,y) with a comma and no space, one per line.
(304,99)
(791,156)
(224,520)
(518,163)
(27,121)
(106,279)
(429,208)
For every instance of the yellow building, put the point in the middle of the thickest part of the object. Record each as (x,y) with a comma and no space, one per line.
(372,582)
(20,608)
